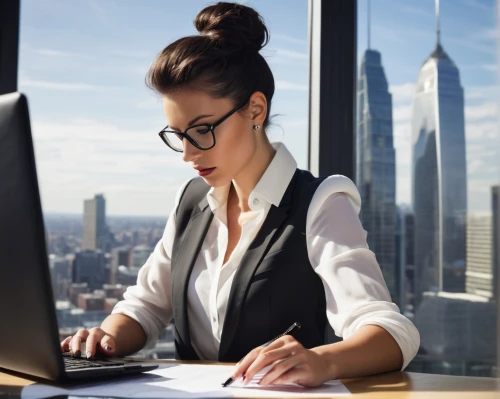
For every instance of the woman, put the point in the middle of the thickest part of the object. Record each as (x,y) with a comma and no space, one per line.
(254,244)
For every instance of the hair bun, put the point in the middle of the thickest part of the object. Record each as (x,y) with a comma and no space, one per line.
(234,26)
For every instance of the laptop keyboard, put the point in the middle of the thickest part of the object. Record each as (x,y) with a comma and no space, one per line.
(73,363)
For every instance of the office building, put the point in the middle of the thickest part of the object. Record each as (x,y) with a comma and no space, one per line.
(89,267)
(138,256)
(95,231)
(126,276)
(479,265)
(91,302)
(495,246)
(76,289)
(400,256)
(376,170)
(61,275)
(495,216)
(409,283)
(457,334)
(439,185)
(120,256)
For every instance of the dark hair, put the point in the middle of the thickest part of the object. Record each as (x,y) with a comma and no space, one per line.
(223,61)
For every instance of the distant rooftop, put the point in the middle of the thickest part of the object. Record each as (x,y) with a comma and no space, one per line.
(457,295)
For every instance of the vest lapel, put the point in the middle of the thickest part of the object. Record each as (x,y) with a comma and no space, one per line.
(251,260)
(183,262)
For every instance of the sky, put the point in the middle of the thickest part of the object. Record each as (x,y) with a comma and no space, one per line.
(95,124)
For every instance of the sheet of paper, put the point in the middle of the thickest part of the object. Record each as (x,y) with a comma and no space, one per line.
(184,381)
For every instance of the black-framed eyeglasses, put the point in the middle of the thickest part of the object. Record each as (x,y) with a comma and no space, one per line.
(202,136)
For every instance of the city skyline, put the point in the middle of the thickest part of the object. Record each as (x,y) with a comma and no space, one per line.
(95,123)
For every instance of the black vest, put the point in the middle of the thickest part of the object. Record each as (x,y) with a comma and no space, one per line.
(274,285)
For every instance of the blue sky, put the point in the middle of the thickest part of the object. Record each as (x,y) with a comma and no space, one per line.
(82,65)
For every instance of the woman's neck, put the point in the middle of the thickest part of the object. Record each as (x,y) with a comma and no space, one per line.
(245,182)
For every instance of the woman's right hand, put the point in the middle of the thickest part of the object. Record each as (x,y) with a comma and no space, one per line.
(97,341)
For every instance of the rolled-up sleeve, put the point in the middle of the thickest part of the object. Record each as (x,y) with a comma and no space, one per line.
(356,293)
(149,302)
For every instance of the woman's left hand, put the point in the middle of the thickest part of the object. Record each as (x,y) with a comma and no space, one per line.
(294,364)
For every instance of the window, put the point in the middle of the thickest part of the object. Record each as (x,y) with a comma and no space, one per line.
(436,69)
(107,181)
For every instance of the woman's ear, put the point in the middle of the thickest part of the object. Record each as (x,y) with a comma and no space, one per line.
(258,108)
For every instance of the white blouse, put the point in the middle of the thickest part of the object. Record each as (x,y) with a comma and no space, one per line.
(356,293)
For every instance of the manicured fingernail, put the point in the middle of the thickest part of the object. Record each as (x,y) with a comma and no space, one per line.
(89,355)
(107,347)
(77,354)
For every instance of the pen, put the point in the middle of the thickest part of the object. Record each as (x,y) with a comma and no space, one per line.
(294,327)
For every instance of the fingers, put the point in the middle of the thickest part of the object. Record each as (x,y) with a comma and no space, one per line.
(108,345)
(96,341)
(269,356)
(280,369)
(65,344)
(243,365)
(77,340)
(295,376)
(94,337)
(99,342)
(261,357)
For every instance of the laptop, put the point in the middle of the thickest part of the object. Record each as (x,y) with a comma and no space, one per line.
(29,338)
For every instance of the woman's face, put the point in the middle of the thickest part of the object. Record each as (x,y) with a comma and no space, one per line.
(236,141)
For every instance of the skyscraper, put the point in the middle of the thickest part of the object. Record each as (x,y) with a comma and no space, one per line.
(376,169)
(479,269)
(439,186)
(95,231)
(495,216)
(89,267)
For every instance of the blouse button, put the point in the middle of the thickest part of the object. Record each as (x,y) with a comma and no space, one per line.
(256,201)
(214,319)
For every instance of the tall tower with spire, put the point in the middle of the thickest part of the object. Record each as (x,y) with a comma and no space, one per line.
(439,176)
(376,170)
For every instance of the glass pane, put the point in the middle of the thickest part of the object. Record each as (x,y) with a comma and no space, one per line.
(428,146)
(107,180)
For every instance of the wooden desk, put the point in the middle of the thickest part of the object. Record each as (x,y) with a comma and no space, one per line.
(395,385)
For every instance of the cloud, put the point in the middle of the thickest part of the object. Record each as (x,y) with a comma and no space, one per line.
(490,67)
(402,113)
(385,33)
(489,34)
(45,84)
(414,10)
(402,93)
(484,93)
(75,159)
(292,54)
(402,146)
(287,38)
(285,85)
(485,110)
(479,166)
(58,53)
(478,4)
(150,103)
(483,67)
(132,54)
(402,97)
(474,45)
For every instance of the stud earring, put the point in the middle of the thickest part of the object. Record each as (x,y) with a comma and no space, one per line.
(256,127)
